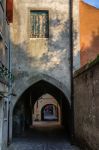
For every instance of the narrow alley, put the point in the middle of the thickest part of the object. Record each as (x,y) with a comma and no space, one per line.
(49,75)
(43,138)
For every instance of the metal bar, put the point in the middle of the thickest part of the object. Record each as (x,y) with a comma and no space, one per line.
(39,24)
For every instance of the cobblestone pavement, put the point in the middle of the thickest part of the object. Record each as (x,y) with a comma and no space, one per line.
(43,140)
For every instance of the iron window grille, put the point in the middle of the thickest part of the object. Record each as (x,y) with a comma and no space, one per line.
(39,21)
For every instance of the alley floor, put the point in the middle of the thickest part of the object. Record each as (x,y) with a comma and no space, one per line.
(43,139)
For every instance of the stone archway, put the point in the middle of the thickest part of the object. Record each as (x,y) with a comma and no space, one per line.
(22,87)
(35,91)
(50,111)
(41,103)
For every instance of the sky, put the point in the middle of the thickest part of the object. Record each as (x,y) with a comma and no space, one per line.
(94,3)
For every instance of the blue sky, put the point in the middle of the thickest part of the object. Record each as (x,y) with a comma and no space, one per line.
(94,3)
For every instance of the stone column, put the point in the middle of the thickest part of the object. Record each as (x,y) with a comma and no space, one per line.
(10,123)
(5,124)
(54,111)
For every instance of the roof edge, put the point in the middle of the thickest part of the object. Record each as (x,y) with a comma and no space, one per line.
(88,3)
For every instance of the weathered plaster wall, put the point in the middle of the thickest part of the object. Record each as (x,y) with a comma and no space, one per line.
(89,32)
(41,56)
(86,107)
(4,53)
(76,34)
(4,35)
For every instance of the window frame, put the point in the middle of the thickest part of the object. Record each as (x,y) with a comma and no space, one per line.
(30,26)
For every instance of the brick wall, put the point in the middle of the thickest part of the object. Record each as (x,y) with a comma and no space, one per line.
(86,106)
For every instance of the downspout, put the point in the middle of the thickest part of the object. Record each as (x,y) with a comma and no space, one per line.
(9,84)
(71,69)
(9,15)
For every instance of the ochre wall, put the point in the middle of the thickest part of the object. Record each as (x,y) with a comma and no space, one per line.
(89,32)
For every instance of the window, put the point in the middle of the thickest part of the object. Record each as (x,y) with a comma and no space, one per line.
(2,3)
(6,55)
(39,21)
(5,110)
(1,48)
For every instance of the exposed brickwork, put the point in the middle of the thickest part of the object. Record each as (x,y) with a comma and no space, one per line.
(89,33)
(86,106)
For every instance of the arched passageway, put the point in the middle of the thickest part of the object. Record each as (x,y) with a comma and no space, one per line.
(23,111)
(49,112)
(46,108)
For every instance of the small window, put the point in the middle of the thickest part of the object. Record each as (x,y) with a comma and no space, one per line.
(6,56)
(39,21)
(2,3)
(1,49)
(5,110)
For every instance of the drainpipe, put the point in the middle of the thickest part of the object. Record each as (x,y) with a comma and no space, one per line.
(71,69)
(9,85)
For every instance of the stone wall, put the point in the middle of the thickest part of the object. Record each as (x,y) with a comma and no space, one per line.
(86,106)
(4,64)
(37,56)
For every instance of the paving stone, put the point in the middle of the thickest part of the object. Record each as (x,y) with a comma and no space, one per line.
(50,140)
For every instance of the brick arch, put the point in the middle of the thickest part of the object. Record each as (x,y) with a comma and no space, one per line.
(22,87)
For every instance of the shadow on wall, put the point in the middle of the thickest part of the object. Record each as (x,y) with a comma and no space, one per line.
(22,61)
(89,53)
(58,53)
(58,50)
